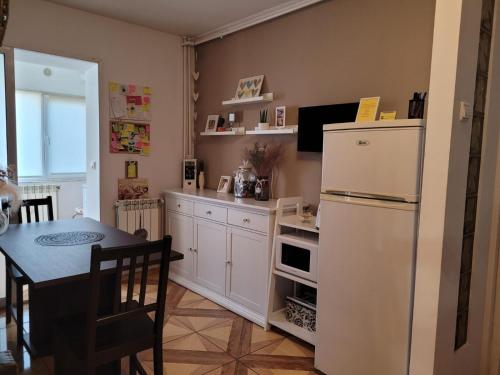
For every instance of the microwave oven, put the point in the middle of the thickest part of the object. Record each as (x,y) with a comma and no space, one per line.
(297,256)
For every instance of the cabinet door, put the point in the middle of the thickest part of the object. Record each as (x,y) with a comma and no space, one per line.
(210,255)
(180,227)
(248,269)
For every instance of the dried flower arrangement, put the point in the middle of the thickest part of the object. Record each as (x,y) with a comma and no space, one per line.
(264,158)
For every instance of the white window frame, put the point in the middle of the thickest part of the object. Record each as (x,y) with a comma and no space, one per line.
(47,177)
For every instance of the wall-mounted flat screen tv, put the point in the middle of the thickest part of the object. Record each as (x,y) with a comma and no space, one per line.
(312,119)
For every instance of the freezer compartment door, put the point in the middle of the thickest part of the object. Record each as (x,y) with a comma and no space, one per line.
(365,287)
(384,162)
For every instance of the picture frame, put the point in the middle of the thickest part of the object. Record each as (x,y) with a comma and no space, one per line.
(249,87)
(225,184)
(131,169)
(212,122)
(280,117)
(136,188)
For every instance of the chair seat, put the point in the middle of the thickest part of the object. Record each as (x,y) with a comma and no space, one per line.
(118,339)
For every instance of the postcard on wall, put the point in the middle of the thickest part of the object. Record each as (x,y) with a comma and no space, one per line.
(249,87)
(130,138)
(368,108)
(129,102)
(133,188)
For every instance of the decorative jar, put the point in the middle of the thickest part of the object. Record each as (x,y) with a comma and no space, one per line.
(244,181)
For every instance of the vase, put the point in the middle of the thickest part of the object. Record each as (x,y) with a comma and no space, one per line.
(244,182)
(262,188)
(201,180)
(4,221)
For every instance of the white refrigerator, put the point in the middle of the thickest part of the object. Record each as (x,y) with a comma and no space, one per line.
(369,205)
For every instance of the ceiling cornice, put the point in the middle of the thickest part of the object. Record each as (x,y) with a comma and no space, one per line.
(253,20)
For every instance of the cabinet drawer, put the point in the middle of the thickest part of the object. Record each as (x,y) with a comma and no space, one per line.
(180,205)
(207,211)
(248,220)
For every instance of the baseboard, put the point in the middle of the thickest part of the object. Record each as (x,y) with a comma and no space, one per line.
(221,300)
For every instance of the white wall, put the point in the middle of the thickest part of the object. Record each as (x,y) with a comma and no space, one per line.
(128,54)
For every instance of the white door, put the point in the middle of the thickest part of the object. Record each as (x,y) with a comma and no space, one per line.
(247,268)
(180,227)
(379,161)
(210,255)
(366,266)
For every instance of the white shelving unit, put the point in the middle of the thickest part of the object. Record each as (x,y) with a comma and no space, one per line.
(235,131)
(289,129)
(289,225)
(256,99)
(278,319)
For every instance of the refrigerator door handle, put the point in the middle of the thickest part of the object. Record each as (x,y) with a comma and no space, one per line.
(367,196)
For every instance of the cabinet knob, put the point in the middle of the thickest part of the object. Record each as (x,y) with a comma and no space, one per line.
(190,249)
(195,250)
(246,220)
(209,212)
(178,205)
(228,262)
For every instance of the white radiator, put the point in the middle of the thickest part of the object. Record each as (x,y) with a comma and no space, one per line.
(133,214)
(35,191)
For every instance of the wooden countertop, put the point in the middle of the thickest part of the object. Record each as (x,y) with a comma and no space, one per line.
(211,196)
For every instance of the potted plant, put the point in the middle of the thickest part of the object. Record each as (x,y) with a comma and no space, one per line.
(263,124)
(264,158)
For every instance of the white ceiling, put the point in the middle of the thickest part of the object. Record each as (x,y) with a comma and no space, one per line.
(181,17)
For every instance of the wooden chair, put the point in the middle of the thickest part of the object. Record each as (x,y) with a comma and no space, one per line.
(82,346)
(12,274)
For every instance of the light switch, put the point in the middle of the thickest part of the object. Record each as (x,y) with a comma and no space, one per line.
(465,111)
(93,164)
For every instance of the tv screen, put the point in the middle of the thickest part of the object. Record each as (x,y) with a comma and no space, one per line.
(312,119)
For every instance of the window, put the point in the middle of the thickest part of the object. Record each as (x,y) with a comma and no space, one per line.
(50,135)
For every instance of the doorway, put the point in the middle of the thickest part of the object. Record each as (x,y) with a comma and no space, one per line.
(57,131)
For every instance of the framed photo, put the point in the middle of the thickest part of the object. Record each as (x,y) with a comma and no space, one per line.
(136,188)
(212,121)
(224,184)
(131,169)
(279,118)
(249,87)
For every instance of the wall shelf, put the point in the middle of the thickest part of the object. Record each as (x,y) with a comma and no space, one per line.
(235,131)
(257,99)
(289,129)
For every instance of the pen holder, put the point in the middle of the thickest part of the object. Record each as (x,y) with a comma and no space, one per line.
(416,108)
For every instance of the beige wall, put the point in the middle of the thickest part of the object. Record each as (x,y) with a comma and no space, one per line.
(128,54)
(333,52)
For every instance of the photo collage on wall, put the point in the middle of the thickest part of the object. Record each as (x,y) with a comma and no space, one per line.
(130,133)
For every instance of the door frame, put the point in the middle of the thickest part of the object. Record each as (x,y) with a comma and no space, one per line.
(10,107)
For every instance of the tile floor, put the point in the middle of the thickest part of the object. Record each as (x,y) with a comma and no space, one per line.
(200,337)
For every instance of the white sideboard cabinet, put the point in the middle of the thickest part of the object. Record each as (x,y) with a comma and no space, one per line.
(226,244)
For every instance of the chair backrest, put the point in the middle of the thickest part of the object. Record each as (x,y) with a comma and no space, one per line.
(37,204)
(130,308)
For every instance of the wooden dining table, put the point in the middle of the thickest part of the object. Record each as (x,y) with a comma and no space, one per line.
(58,273)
